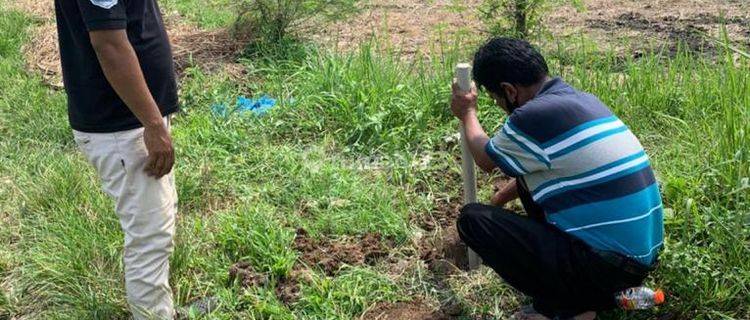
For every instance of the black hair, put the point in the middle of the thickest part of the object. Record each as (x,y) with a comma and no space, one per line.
(508,60)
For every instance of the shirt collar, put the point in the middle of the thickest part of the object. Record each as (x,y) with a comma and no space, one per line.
(554,85)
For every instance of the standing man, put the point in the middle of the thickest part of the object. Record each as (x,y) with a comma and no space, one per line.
(120,81)
(594,213)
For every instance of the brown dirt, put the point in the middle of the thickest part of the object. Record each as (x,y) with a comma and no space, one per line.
(331,254)
(409,26)
(443,251)
(42,54)
(651,23)
(444,215)
(40,9)
(288,288)
(671,30)
(414,26)
(209,50)
(288,291)
(247,277)
(417,27)
(414,310)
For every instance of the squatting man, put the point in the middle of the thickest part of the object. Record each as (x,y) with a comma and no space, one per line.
(593,223)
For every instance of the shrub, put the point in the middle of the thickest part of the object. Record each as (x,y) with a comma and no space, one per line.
(276,20)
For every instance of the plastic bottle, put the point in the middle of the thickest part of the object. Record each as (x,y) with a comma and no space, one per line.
(639,298)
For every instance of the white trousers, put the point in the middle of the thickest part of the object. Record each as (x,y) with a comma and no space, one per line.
(146,208)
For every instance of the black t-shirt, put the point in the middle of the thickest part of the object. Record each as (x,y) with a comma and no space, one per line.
(93,106)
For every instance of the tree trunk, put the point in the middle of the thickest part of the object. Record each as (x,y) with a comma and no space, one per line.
(521,9)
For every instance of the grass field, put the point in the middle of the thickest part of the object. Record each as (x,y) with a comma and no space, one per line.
(361,143)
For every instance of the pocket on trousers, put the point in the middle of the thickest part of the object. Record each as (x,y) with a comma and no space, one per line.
(82,141)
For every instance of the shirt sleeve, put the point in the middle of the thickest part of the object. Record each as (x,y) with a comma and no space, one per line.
(103,14)
(515,153)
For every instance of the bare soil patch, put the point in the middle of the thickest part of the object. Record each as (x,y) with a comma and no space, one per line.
(287,288)
(416,27)
(331,254)
(624,24)
(245,275)
(443,251)
(421,27)
(413,27)
(414,310)
(673,31)
(209,50)
(40,9)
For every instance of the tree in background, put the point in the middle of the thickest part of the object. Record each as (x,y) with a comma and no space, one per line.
(519,18)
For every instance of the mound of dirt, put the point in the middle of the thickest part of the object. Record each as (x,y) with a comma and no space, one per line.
(443,251)
(331,254)
(288,288)
(414,310)
(247,277)
(444,215)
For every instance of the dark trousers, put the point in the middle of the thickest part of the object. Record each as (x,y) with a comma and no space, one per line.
(563,275)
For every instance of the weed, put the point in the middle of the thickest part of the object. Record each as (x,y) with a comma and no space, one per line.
(272,21)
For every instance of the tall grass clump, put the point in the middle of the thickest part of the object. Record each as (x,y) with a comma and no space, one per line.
(369,100)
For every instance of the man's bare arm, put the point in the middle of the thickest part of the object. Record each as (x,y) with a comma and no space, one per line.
(477,140)
(122,69)
(464,107)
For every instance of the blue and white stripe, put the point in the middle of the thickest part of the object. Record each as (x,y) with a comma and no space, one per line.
(526,143)
(629,224)
(648,255)
(507,162)
(584,135)
(594,225)
(601,174)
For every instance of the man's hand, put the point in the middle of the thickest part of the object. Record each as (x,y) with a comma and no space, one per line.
(505,194)
(463,104)
(122,69)
(160,152)
(464,107)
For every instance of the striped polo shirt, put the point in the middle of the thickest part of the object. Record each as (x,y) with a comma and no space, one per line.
(585,169)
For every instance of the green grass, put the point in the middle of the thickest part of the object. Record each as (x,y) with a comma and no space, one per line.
(357,144)
(205,13)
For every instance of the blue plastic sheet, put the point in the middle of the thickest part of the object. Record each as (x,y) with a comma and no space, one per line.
(244,105)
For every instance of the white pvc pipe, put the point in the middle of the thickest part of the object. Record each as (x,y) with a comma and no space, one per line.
(463,76)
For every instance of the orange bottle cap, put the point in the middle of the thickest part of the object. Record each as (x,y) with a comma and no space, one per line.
(659,297)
